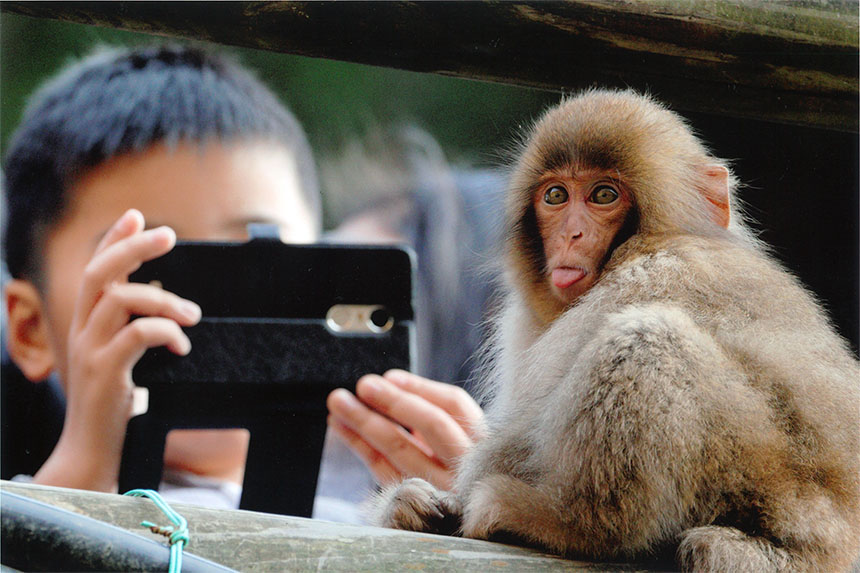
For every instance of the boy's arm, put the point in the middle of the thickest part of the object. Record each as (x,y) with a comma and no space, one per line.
(103,346)
(444,422)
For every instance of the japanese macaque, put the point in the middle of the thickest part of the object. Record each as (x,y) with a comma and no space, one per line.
(658,382)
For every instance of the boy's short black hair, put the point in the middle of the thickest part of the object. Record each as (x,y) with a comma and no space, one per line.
(125,100)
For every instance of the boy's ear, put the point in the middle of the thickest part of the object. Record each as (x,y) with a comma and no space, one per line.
(27,332)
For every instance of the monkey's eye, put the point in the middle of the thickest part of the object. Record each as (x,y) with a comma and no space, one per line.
(603,195)
(555,195)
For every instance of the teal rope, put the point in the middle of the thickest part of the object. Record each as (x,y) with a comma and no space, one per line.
(178,536)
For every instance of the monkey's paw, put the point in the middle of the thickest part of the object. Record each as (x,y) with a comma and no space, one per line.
(416,505)
(505,509)
(715,548)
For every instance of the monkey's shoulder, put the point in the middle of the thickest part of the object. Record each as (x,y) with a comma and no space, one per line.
(708,275)
(734,293)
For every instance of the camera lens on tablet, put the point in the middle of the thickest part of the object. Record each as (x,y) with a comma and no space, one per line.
(381,319)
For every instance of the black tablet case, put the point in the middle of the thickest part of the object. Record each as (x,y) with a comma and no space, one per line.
(270,360)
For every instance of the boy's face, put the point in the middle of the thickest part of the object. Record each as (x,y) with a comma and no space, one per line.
(204,193)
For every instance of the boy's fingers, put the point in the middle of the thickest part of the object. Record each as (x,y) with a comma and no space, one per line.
(122,300)
(133,339)
(452,399)
(442,432)
(129,223)
(115,263)
(389,439)
(382,470)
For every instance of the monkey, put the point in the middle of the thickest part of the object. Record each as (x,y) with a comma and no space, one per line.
(658,383)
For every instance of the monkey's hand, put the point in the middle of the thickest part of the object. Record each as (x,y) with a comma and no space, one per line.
(416,505)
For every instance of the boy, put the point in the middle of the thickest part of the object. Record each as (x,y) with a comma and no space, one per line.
(115,158)
(191,145)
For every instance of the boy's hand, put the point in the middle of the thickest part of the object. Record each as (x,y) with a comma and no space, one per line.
(103,346)
(444,422)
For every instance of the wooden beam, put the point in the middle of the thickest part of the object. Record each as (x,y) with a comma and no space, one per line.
(249,541)
(793,62)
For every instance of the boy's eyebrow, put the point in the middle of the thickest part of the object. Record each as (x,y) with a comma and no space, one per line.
(243,222)
(231,225)
(237,224)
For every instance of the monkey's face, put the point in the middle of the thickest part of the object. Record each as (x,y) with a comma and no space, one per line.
(579,213)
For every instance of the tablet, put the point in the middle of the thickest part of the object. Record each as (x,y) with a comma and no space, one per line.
(282,326)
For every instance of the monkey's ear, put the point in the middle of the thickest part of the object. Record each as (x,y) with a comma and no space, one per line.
(27,333)
(716,191)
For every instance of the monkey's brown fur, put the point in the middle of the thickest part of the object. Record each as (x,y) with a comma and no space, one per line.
(697,396)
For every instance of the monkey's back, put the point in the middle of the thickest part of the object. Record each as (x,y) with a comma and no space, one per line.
(803,464)
(761,317)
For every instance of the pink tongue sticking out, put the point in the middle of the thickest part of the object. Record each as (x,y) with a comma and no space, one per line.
(563,277)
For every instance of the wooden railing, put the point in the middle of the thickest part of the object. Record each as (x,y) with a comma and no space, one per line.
(249,541)
(794,62)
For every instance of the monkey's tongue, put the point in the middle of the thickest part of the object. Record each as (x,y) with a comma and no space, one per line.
(563,277)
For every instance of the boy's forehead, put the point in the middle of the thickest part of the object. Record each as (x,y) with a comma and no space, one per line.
(206,192)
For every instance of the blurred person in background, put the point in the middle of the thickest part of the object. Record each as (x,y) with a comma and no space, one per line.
(396,186)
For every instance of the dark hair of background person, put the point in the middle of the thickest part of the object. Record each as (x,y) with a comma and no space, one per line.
(120,101)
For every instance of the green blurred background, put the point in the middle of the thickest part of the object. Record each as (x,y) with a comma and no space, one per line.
(785,168)
(334,100)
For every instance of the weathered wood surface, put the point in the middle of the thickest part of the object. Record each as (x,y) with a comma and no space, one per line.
(249,541)
(794,62)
